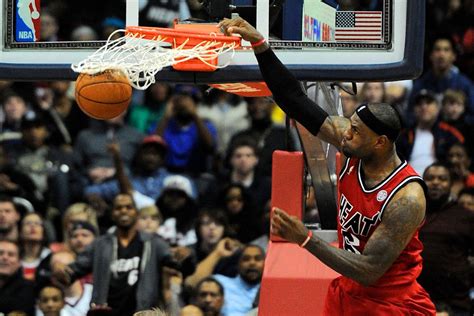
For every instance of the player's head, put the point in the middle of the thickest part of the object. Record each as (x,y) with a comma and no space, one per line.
(374,128)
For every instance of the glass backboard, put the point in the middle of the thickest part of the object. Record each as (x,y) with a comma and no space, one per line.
(319,40)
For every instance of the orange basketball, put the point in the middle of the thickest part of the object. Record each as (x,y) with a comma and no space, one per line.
(104,95)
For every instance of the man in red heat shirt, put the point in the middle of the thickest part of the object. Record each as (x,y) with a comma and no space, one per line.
(382,199)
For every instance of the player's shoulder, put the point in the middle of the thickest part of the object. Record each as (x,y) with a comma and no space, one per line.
(412,190)
(410,198)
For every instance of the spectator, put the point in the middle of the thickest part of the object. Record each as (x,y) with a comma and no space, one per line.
(14,109)
(63,116)
(190,139)
(9,218)
(225,248)
(149,219)
(163,13)
(443,75)
(16,293)
(229,115)
(453,112)
(14,183)
(51,301)
(49,27)
(244,219)
(243,158)
(428,140)
(211,227)
(81,235)
(373,92)
(447,238)
(239,291)
(453,108)
(267,135)
(466,199)
(459,162)
(77,212)
(210,296)
(125,275)
(77,296)
(33,247)
(92,157)
(144,116)
(179,208)
(48,167)
(147,171)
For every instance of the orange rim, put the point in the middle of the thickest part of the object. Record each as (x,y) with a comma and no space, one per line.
(181,35)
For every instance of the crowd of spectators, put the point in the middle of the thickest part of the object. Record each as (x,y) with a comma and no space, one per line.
(167,205)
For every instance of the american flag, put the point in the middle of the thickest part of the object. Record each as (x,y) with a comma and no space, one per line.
(358,26)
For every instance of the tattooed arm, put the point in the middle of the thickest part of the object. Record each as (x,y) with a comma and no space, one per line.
(401,218)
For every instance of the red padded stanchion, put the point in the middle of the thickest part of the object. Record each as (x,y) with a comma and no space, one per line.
(294,281)
(287,183)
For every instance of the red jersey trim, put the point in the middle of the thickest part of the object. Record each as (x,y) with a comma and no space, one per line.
(381,184)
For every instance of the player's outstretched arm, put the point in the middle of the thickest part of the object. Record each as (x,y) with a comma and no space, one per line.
(286,89)
(401,218)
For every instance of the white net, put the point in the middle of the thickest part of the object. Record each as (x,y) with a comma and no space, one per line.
(140,59)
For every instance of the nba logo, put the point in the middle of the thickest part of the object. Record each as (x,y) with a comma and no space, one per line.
(27,21)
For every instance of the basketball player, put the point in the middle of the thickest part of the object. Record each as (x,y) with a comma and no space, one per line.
(382,200)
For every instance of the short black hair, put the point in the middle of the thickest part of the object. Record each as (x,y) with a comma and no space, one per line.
(252,246)
(63,294)
(387,114)
(8,199)
(213,280)
(218,215)
(438,164)
(467,191)
(444,37)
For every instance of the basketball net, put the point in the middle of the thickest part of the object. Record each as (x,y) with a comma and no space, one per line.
(140,58)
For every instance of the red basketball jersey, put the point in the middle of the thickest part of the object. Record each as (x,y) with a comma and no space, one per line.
(361,211)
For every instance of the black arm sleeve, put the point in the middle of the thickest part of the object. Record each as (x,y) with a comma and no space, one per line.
(288,93)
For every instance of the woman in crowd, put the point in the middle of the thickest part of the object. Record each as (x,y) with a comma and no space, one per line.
(33,244)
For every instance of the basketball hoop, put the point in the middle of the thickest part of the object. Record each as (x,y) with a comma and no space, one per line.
(141,52)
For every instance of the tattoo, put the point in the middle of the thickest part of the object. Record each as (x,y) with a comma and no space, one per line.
(400,221)
(333,128)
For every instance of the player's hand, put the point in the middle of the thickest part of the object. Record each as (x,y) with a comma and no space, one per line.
(288,227)
(241,27)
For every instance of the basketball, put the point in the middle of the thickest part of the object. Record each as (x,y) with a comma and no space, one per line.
(104,95)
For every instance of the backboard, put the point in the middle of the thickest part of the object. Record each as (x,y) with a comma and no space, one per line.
(319,40)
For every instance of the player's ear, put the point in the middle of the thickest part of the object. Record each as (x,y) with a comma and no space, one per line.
(381,141)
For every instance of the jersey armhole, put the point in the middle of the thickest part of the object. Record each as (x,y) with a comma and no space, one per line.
(400,186)
(344,169)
